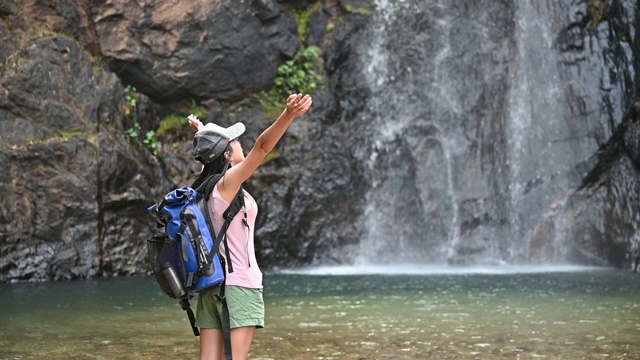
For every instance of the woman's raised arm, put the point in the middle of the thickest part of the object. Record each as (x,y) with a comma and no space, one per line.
(297,105)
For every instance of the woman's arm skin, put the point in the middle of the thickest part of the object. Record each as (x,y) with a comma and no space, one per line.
(297,105)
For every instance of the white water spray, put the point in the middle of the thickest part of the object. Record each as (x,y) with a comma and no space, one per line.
(536,121)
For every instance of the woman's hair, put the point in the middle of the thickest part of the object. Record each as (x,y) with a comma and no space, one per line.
(218,166)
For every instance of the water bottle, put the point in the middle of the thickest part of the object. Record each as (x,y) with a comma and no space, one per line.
(173,281)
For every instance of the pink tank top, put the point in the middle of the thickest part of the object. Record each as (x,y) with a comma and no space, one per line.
(246,272)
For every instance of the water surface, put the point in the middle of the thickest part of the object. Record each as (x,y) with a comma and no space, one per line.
(562,314)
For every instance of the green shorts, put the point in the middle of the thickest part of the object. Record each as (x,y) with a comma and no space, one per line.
(246,307)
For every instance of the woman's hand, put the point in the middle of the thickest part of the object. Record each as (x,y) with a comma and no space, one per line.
(195,123)
(298,105)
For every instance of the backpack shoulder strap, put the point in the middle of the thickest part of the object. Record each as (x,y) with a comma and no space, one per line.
(234,208)
(238,203)
(205,189)
(207,186)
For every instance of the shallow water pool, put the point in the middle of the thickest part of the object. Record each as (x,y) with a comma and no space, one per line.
(588,314)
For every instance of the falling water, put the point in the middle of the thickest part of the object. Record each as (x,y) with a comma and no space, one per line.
(410,105)
(472,133)
(377,71)
(396,205)
(537,131)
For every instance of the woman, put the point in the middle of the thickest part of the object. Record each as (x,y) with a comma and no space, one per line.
(243,287)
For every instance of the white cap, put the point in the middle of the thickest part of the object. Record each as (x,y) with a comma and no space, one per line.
(231,133)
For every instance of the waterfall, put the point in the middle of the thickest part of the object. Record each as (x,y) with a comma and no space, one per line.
(374,243)
(472,134)
(399,203)
(538,146)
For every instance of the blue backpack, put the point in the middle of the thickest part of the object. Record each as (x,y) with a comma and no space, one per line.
(184,255)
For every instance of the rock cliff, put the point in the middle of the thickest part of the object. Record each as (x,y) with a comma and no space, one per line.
(83,81)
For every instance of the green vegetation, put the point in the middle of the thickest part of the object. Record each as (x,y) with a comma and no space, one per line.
(66,134)
(176,124)
(272,155)
(132,133)
(359,10)
(330,26)
(596,9)
(302,18)
(294,76)
(131,94)
(150,139)
(172,125)
(299,74)
(199,112)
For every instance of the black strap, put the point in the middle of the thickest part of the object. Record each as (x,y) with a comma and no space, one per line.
(226,322)
(157,216)
(184,302)
(236,205)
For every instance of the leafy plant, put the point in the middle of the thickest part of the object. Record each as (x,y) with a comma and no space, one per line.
(152,142)
(297,75)
(131,91)
(150,139)
(132,133)
(131,96)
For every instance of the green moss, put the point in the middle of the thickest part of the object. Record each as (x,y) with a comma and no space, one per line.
(302,19)
(59,136)
(272,104)
(66,134)
(330,26)
(200,112)
(178,123)
(170,124)
(272,155)
(597,10)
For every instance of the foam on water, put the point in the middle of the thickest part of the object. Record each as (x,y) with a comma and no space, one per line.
(409,269)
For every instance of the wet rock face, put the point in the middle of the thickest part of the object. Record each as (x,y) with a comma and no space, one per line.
(595,222)
(52,87)
(76,189)
(598,222)
(497,111)
(224,50)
